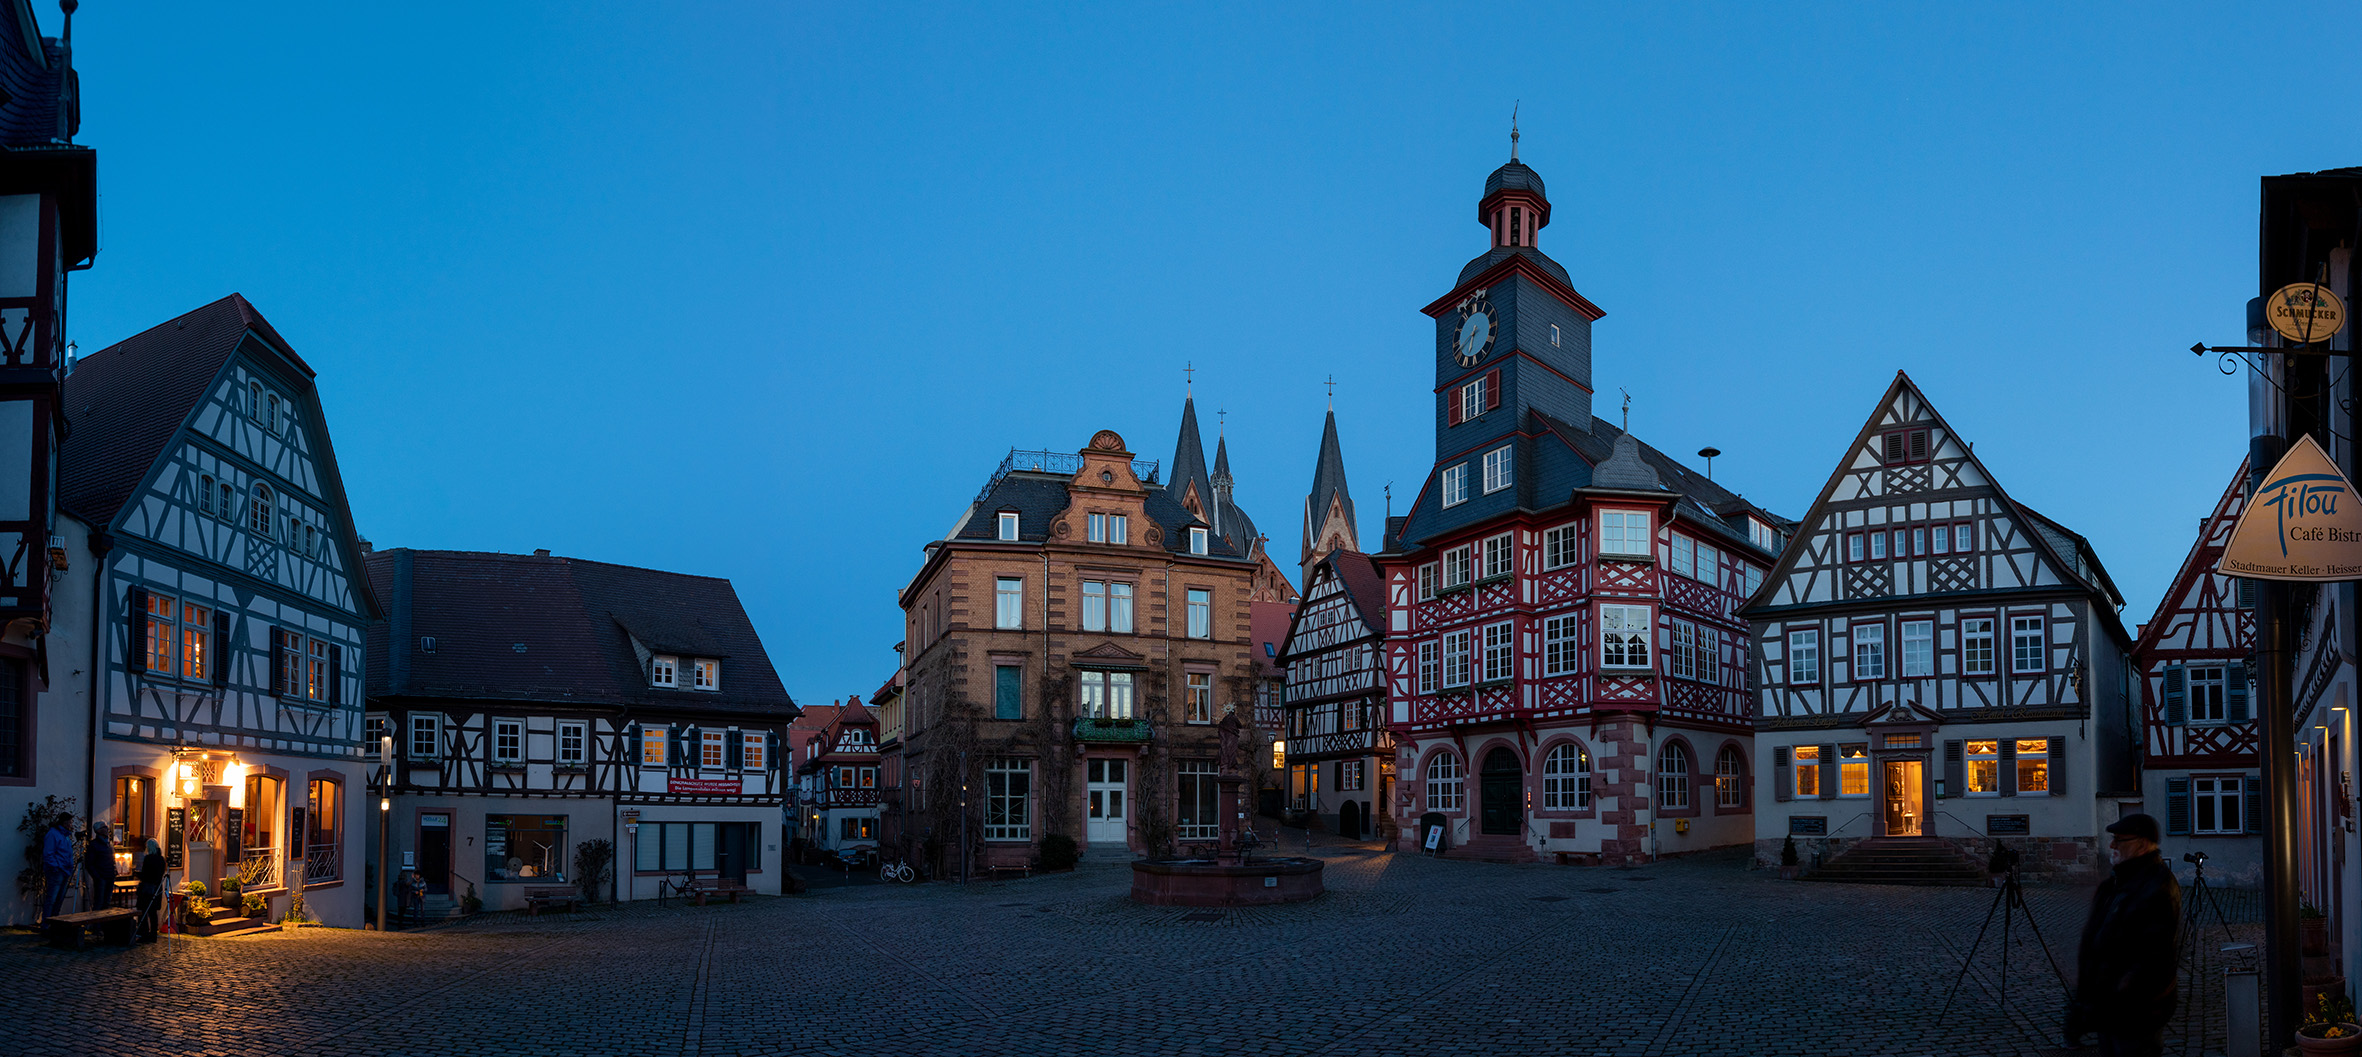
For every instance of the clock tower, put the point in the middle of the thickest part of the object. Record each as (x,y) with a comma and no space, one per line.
(1512,337)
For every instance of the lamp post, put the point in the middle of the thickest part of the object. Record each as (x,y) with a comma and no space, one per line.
(631,833)
(963,816)
(385,820)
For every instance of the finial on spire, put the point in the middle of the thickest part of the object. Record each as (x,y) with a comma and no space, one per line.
(1332,383)
(1513,130)
(1189,377)
(1221,421)
(1627,427)
(1389,500)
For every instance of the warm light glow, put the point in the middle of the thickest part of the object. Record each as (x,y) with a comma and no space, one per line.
(234,776)
(385,803)
(188,770)
(1279,754)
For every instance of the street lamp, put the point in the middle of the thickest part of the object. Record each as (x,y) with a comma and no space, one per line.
(385,820)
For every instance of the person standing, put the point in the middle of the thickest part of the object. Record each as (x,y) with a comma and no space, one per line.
(57,862)
(98,861)
(2124,979)
(151,889)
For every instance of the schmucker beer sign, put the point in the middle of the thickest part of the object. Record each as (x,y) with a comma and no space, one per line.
(2304,523)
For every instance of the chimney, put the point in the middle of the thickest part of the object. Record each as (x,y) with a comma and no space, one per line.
(541,552)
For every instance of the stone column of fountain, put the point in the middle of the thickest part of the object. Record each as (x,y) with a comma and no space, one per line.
(1228,777)
(1230,879)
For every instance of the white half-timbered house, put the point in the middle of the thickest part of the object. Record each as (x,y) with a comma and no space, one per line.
(839,785)
(2199,725)
(537,703)
(1339,756)
(223,558)
(1564,653)
(1938,662)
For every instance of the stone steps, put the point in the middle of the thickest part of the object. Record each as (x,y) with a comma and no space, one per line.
(1494,848)
(1903,861)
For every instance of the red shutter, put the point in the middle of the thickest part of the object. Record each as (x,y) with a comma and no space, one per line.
(1451,401)
(1492,389)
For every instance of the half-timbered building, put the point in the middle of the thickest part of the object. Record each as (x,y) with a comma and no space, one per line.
(1937,662)
(1564,655)
(48,231)
(538,702)
(225,573)
(1339,757)
(840,782)
(1070,645)
(2199,729)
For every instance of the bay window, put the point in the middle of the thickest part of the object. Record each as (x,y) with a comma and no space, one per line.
(1625,533)
(1624,636)
(1106,695)
(1455,658)
(1500,651)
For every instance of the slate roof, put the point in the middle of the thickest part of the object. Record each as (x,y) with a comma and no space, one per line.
(1514,176)
(517,627)
(1501,253)
(125,402)
(1038,497)
(1189,459)
(1229,520)
(1328,479)
(1359,574)
(37,73)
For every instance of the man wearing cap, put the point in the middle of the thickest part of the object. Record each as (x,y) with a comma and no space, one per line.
(2124,982)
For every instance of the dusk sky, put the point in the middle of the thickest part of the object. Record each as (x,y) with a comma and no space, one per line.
(767,291)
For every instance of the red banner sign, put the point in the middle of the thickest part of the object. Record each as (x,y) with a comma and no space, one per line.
(706,786)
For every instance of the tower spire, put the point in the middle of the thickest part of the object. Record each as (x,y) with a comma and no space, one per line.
(1513,130)
(1329,524)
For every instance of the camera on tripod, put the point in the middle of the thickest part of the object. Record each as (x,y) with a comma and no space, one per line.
(2004,860)
(2194,857)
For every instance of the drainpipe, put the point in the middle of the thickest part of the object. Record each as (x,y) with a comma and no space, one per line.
(99,544)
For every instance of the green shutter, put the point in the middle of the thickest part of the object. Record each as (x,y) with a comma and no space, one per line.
(2177,696)
(2235,692)
(2177,806)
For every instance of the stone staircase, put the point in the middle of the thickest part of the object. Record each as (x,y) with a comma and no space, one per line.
(1494,847)
(221,922)
(1903,861)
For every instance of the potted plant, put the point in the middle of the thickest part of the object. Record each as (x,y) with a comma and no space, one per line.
(297,913)
(256,905)
(2313,928)
(192,904)
(1788,861)
(2329,1027)
(229,900)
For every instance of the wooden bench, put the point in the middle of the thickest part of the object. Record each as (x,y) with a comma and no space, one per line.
(69,932)
(537,898)
(1000,872)
(701,887)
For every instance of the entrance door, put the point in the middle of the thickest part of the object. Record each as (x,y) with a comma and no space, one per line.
(1502,789)
(1104,782)
(1349,821)
(1903,814)
(731,862)
(434,850)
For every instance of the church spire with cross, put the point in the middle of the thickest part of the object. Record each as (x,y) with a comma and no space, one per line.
(1329,524)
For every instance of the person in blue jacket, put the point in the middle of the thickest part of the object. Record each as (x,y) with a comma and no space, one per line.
(57,860)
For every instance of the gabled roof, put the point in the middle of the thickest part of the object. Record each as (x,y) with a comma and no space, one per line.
(522,627)
(2201,561)
(1365,591)
(1189,461)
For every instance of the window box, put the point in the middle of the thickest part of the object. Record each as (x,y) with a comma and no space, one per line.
(1135,729)
(1499,579)
(1490,683)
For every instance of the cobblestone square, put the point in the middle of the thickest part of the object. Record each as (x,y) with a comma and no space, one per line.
(1403,955)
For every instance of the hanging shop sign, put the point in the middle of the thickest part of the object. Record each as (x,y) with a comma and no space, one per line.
(2305,312)
(2303,524)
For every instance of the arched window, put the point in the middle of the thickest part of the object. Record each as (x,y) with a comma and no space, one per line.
(270,414)
(1673,776)
(1444,790)
(1566,779)
(260,516)
(1730,779)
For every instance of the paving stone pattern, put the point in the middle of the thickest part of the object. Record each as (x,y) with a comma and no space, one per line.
(1404,955)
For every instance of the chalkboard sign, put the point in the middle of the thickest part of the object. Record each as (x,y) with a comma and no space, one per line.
(295,832)
(1808,825)
(232,834)
(176,822)
(2008,825)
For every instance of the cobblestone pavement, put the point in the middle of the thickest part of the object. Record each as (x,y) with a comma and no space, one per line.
(1404,955)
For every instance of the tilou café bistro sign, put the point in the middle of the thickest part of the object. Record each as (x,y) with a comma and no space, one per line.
(2304,523)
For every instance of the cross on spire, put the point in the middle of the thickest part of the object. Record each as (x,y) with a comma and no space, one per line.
(1221,421)
(1332,383)
(1189,376)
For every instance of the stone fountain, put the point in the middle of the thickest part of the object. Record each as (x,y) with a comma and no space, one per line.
(1231,878)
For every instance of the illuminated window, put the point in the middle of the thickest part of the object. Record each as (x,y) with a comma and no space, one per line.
(2033,765)
(708,674)
(713,752)
(315,670)
(655,746)
(163,636)
(1106,695)
(1199,697)
(1983,760)
(1730,779)
(1808,770)
(1853,770)
(1566,779)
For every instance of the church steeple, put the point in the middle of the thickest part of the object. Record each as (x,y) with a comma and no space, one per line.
(1329,524)
(1189,485)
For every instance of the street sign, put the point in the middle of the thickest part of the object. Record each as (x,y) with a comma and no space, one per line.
(2303,524)
(2305,312)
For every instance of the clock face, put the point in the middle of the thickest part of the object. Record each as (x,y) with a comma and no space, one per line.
(1476,334)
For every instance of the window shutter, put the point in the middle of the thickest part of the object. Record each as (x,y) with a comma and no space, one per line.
(1451,399)
(1918,444)
(732,756)
(221,648)
(1784,778)
(2255,803)
(135,622)
(1894,447)
(1492,389)
(2246,593)
(1955,768)
(1828,772)
(336,675)
(278,669)
(2009,767)
(2177,806)
(680,746)
(771,750)
(2058,766)
(2235,692)
(2177,695)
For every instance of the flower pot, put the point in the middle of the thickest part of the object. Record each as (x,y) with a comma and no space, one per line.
(2315,934)
(2349,1039)
(2310,992)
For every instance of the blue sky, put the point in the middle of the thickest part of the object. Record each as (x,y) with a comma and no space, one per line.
(766,291)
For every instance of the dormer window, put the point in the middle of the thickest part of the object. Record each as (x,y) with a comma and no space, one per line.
(664,672)
(1197,540)
(706,675)
(1008,526)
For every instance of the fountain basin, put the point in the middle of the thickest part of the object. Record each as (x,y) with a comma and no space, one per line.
(1209,883)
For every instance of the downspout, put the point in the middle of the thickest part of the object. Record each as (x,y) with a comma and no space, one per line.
(99,544)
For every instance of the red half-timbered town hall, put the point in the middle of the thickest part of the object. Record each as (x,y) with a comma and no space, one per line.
(1565,660)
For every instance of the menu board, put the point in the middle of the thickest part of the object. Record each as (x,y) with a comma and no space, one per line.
(232,834)
(176,821)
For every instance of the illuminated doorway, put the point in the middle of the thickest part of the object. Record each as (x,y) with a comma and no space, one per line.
(1903,812)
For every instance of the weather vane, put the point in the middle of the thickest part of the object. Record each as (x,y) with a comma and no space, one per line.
(1513,129)
(1627,408)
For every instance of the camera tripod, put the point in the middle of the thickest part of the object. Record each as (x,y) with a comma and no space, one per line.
(2198,896)
(2009,902)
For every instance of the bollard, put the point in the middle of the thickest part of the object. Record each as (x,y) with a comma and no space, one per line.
(2242,1028)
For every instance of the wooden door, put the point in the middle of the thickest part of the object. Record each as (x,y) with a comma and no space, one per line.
(434,850)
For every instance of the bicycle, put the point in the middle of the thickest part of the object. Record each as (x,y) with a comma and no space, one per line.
(896,870)
(670,885)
